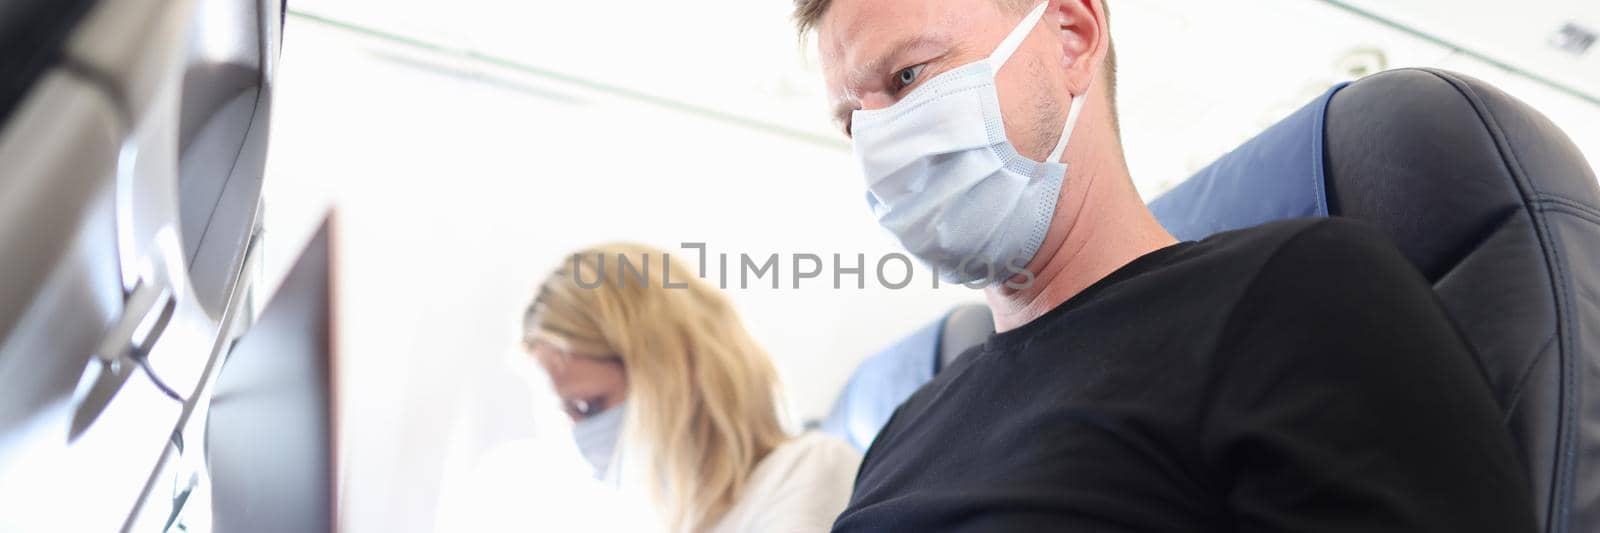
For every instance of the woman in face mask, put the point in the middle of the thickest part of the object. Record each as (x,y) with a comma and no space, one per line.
(668,392)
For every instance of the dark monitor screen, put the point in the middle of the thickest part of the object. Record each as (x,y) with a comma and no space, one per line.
(269,435)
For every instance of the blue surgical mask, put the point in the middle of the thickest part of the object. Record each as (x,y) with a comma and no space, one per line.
(597,438)
(945,180)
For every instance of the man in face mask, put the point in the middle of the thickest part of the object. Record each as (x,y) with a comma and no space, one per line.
(1297,376)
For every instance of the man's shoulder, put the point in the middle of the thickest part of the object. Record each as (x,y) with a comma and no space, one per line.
(1290,236)
(1319,249)
(1303,247)
(1326,283)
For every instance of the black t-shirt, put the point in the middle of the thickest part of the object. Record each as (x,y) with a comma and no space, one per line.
(1298,376)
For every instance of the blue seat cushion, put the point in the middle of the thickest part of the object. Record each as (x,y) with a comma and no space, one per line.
(881,384)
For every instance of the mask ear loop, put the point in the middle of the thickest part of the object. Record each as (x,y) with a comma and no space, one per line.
(1009,46)
(1014,40)
(1066,132)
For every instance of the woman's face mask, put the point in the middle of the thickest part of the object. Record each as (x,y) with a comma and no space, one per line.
(593,392)
(597,437)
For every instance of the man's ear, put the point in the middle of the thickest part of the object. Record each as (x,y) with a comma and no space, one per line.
(1084,34)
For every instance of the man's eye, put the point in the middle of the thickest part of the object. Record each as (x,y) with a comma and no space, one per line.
(908,76)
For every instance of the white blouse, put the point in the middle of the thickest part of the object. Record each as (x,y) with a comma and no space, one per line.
(800,487)
(532,485)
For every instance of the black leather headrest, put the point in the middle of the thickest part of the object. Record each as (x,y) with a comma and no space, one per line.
(1499,209)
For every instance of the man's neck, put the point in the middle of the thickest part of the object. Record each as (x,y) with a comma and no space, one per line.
(1107,226)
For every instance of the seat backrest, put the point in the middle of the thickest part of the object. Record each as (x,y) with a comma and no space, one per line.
(966,326)
(1492,204)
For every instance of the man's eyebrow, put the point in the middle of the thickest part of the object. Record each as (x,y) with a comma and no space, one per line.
(879,66)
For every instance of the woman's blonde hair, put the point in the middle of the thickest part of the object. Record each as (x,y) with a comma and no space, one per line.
(702,394)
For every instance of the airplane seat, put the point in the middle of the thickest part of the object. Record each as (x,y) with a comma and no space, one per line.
(966,326)
(888,377)
(1490,201)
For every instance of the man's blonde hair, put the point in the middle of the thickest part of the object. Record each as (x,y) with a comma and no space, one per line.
(703,405)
